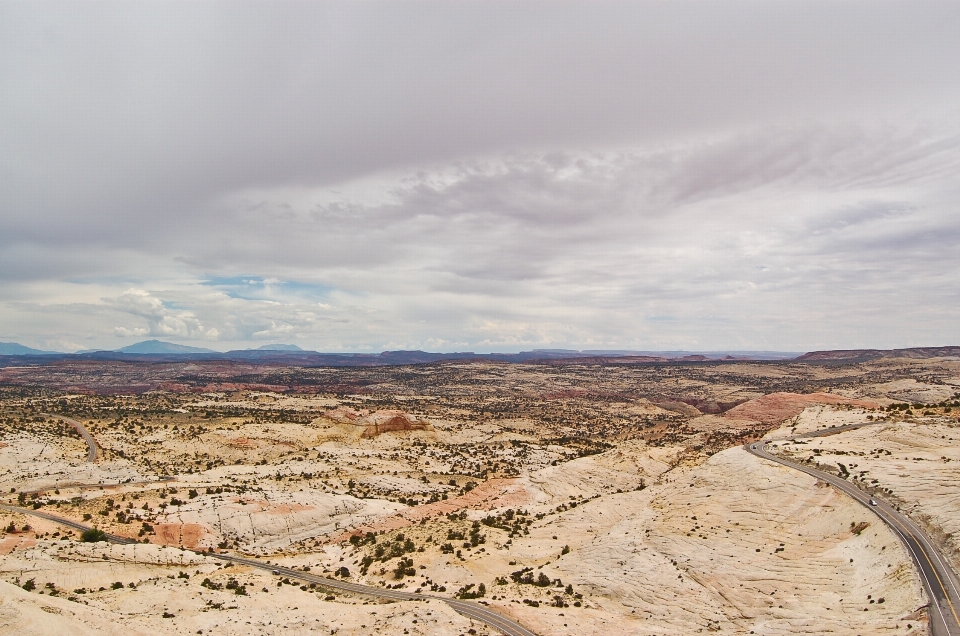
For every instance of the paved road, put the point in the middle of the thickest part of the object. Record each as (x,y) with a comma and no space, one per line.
(471,610)
(83,486)
(64,522)
(84,433)
(938,577)
(823,432)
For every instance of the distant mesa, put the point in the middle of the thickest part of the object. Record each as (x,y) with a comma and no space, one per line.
(279,347)
(862,355)
(158,346)
(293,355)
(370,425)
(15,349)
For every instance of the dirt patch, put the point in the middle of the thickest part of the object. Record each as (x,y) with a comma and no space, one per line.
(274,509)
(256,442)
(16,542)
(774,408)
(187,535)
(242,442)
(680,407)
(493,493)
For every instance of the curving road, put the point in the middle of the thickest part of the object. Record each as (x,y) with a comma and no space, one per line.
(84,433)
(76,525)
(470,610)
(939,579)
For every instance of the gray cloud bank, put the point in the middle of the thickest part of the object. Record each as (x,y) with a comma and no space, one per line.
(357,176)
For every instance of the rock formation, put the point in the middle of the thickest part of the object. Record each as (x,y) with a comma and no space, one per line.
(378,422)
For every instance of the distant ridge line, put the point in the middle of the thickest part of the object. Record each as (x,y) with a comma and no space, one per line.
(159,351)
(850,355)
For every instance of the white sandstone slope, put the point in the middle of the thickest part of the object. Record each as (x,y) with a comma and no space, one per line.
(735,545)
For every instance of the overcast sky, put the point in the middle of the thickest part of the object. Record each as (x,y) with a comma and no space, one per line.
(480,176)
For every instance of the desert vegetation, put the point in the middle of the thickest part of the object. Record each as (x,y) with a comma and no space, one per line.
(586,497)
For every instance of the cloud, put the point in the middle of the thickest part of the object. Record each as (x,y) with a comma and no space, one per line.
(162,320)
(472,175)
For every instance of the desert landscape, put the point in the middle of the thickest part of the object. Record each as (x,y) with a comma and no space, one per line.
(569,497)
(471,318)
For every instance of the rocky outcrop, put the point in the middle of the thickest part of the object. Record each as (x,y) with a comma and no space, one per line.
(774,408)
(378,422)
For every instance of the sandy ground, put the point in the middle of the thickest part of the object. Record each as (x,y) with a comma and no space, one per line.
(733,545)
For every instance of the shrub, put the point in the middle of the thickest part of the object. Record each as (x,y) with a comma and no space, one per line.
(404,568)
(468,591)
(365,564)
(92,535)
(211,585)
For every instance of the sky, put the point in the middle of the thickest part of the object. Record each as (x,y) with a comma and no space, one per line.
(480,176)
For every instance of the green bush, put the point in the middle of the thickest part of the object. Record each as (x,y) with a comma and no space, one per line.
(92,535)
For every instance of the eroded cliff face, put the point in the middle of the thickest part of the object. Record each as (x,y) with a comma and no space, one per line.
(371,424)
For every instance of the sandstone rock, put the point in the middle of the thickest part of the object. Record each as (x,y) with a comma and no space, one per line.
(370,425)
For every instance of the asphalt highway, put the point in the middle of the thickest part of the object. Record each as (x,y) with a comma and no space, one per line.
(939,580)
(84,433)
(471,610)
(63,522)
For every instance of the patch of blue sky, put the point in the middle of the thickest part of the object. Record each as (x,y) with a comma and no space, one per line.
(259,288)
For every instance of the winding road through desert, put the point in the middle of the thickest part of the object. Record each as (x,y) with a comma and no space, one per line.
(939,579)
(84,433)
(471,610)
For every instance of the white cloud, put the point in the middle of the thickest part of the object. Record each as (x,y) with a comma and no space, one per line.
(759,176)
(162,321)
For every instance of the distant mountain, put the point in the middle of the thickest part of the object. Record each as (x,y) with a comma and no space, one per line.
(279,347)
(861,355)
(699,355)
(292,355)
(14,349)
(158,346)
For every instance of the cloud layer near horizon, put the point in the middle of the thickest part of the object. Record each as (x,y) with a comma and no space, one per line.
(477,176)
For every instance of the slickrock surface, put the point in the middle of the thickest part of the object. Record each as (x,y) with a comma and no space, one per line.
(184,606)
(777,407)
(913,461)
(577,498)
